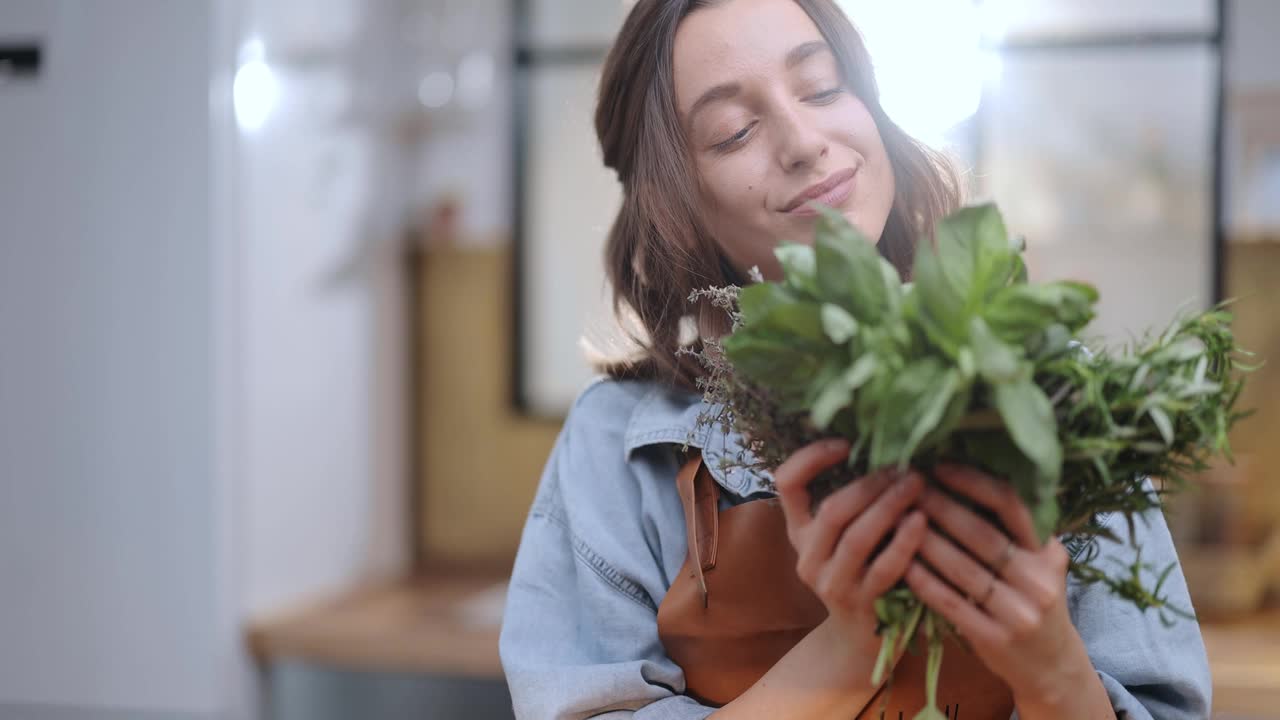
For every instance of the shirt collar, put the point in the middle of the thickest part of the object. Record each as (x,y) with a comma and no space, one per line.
(668,416)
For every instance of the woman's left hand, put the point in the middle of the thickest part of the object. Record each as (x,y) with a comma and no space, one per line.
(1015,614)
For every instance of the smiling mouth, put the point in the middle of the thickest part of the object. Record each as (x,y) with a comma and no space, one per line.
(831,192)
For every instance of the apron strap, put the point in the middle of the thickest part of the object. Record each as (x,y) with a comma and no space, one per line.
(700,496)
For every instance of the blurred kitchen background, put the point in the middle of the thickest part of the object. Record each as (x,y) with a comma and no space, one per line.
(291,294)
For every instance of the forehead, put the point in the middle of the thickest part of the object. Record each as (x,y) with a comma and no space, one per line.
(733,40)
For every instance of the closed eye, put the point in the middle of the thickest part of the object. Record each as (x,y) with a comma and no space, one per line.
(737,139)
(825,98)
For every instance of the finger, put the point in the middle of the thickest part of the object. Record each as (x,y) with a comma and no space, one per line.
(834,516)
(792,477)
(1028,574)
(972,623)
(999,496)
(864,533)
(977,536)
(1040,577)
(954,565)
(1004,602)
(889,567)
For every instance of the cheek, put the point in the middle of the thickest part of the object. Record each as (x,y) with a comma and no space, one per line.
(861,134)
(734,186)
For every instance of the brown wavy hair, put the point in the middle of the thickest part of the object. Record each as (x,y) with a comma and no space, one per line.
(658,250)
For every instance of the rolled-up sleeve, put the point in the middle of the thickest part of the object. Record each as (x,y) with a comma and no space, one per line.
(579,636)
(1150,671)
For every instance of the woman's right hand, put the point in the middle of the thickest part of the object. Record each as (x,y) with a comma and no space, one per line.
(834,545)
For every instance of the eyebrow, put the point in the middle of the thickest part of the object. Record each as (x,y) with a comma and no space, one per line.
(726,91)
(804,51)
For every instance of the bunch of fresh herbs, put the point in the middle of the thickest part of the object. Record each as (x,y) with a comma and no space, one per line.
(971,363)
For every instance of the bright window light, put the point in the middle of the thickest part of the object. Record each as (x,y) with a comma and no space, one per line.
(255,89)
(928,61)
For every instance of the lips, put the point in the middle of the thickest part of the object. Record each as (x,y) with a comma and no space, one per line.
(832,192)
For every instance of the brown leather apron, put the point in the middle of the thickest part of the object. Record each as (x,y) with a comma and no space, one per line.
(738,606)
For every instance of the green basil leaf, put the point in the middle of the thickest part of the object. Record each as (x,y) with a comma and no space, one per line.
(994,360)
(911,407)
(772,361)
(799,267)
(836,395)
(937,302)
(1029,420)
(848,268)
(1019,312)
(930,410)
(861,371)
(839,325)
(800,321)
(755,301)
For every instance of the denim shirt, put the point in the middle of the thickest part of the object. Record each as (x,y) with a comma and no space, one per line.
(605,539)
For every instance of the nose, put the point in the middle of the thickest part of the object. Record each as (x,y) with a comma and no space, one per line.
(801,143)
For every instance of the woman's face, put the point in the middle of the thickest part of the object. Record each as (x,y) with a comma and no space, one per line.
(771,125)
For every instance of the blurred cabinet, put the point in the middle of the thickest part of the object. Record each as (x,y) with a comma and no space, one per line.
(1109,184)
(478,460)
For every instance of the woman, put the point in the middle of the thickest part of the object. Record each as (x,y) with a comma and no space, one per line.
(723,119)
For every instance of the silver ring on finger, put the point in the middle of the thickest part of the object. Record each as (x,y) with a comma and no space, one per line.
(986,594)
(1003,561)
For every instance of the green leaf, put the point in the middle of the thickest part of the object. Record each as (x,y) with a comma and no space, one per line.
(1184,350)
(848,268)
(836,395)
(1018,312)
(862,370)
(1163,424)
(1029,419)
(772,362)
(797,321)
(798,267)
(932,408)
(938,301)
(1045,513)
(912,408)
(969,262)
(755,301)
(839,325)
(995,361)
(995,254)
(837,392)
(832,369)
(893,285)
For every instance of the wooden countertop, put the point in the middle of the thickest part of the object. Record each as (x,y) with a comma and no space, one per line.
(438,624)
(1245,658)
(446,624)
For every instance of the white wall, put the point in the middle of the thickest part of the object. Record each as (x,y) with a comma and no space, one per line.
(201,380)
(107,599)
(466,153)
(320,191)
